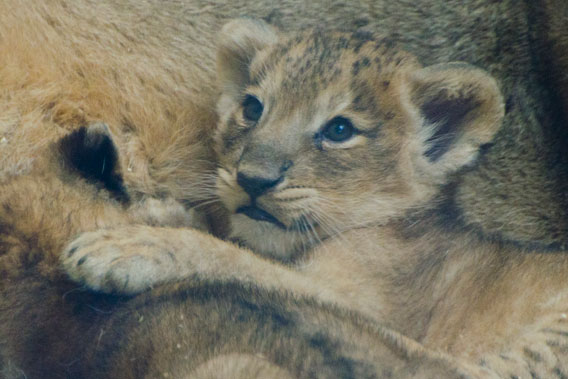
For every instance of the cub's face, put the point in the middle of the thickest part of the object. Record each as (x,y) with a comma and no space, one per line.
(324,132)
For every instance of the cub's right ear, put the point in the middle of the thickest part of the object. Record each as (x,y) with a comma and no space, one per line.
(460,108)
(240,40)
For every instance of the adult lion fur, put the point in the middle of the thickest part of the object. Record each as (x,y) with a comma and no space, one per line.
(146,69)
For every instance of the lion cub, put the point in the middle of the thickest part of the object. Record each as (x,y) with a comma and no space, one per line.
(333,151)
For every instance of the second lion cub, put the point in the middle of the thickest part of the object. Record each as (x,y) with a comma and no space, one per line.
(334,150)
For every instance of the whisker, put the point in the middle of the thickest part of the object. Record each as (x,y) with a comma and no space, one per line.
(288,200)
(327,224)
(206,203)
(307,234)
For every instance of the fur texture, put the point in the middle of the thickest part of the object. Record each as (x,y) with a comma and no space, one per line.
(358,212)
(155,86)
(146,69)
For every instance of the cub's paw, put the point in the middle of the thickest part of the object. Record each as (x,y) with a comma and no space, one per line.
(122,261)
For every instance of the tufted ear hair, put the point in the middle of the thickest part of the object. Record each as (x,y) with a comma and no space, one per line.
(240,40)
(460,108)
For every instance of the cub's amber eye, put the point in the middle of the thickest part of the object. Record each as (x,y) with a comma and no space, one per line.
(252,108)
(338,129)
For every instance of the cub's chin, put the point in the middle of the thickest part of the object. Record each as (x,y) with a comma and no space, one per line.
(266,237)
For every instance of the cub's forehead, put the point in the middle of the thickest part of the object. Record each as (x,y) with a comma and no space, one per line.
(310,62)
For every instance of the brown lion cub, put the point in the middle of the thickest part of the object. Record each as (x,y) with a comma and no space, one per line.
(333,151)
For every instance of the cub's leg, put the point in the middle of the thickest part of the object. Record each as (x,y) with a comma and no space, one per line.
(132,259)
(540,352)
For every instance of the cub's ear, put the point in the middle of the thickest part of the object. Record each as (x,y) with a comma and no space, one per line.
(459,107)
(240,40)
(90,153)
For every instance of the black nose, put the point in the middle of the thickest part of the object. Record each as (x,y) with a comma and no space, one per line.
(255,185)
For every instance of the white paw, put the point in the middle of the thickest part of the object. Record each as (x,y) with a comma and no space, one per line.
(119,262)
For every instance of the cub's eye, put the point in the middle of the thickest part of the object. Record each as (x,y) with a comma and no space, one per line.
(252,108)
(338,129)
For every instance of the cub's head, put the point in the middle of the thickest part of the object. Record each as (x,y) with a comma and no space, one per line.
(322,132)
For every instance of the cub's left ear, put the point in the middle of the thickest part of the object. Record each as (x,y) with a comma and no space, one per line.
(459,107)
(240,40)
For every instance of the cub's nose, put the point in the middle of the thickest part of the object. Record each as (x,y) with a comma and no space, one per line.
(256,185)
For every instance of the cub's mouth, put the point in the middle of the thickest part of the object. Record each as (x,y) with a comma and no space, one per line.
(256,213)
(303,224)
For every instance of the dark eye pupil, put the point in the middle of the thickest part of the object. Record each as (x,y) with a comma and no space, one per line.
(252,108)
(338,130)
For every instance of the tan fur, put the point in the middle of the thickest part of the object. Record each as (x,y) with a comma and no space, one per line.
(238,366)
(372,236)
(55,79)
(155,87)
(146,69)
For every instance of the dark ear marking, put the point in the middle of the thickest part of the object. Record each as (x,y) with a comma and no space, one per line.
(445,113)
(91,153)
(461,108)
